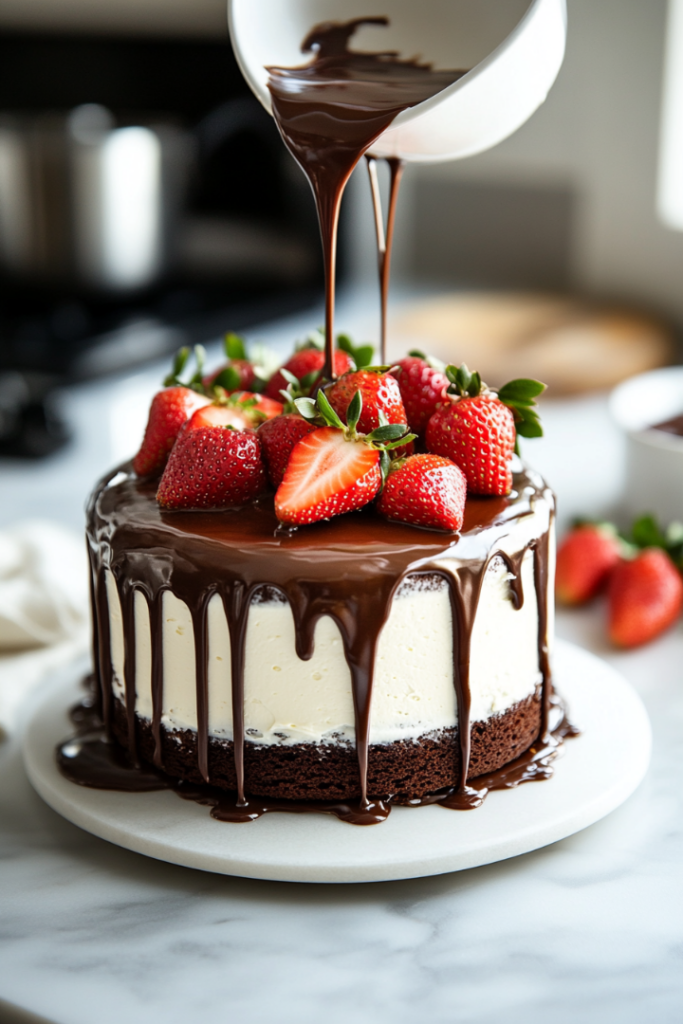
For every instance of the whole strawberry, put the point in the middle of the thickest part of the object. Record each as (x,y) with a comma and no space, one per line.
(477,428)
(585,558)
(380,393)
(278,437)
(239,373)
(645,597)
(170,409)
(305,362)
(422,386)
(426,490)
(213,467)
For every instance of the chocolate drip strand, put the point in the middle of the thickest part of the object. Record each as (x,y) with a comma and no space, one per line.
(201,659)
(385,242)
(156,614)
(236,602)
(541,584)
(127,599)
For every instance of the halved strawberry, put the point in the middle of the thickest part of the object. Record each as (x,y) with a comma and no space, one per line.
(213,467)
(169,410)
(334,469)
(422,386)
(241,411)
(325,476)
(278,437)
(645,597)
(426,490)
(381,396)
(585,558)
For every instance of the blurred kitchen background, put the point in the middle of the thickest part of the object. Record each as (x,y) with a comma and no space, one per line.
(146,202)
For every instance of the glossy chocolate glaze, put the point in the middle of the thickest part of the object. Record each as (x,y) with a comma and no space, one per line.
(332,109)
(348,568)
(385,240)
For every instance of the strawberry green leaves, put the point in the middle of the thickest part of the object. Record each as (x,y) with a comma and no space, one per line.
(519,396)
(647,533)
(180,362)
(463,382)
(361,354)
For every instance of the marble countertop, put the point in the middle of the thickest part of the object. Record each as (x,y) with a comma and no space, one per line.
(589,928)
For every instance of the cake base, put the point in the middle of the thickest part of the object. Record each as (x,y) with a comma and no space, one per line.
(398,772)
(598,771)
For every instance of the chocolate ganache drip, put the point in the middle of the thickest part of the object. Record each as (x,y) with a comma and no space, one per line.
(348,568)
(329,113)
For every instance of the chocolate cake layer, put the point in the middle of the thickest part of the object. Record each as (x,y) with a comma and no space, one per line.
(399,771)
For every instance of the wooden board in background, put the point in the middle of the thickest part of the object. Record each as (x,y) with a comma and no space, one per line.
(570,345)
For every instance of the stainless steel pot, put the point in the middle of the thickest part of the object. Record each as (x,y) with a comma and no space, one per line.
(88,203)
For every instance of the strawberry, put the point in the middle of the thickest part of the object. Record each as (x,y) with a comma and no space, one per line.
(334,469)
(327,474)
(241,410)
(585,559)
(239,373)
(426,490)
(477,428)
(645,597)
(170,409)
(278,436)
(380,393)
(212,467)
(422,386)
(304,362)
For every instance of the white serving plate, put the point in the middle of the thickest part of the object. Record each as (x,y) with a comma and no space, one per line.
(599,770)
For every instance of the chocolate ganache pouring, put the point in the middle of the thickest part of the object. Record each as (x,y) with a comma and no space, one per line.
(329,113)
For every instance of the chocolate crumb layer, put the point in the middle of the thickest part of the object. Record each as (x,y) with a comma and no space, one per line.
(401,771)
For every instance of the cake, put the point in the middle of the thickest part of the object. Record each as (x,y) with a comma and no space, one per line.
(201,618)
(329,588)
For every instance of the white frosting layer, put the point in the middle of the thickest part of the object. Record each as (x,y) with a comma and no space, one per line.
(288,700)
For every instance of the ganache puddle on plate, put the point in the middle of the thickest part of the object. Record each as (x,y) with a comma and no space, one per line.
(90,759)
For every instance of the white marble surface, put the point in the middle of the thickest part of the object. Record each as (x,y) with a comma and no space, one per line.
(589,929)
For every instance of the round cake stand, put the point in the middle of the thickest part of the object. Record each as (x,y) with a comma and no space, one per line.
(597,772)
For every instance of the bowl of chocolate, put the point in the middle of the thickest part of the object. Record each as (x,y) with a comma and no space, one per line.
(649,410)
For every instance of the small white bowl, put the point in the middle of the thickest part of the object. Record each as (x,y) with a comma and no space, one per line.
(654,458)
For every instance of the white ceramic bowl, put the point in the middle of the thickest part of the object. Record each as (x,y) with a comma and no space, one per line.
(654,466)
(514,48)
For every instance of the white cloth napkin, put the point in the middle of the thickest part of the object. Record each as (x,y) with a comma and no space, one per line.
(43,607)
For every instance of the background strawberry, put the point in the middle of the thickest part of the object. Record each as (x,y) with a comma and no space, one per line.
(422,386)
(380,393)
(645,597)
(327,474)
(213,467)
(426,490)
(304,362)
(585,559)
(169,410)
(278,437)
